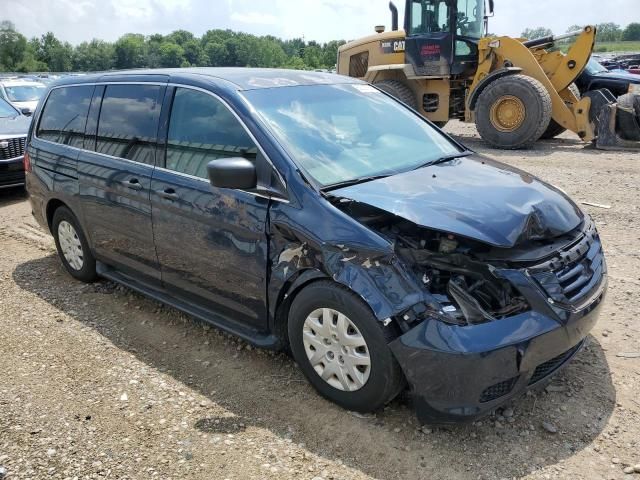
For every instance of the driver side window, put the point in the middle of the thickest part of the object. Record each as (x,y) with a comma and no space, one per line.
(202,129)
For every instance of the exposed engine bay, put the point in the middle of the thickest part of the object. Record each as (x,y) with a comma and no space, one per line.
(462,275)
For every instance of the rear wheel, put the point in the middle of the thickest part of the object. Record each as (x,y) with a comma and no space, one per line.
(72,246)
(399,90)
(342,348)
(513,112)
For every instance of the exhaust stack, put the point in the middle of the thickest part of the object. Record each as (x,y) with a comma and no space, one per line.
(394,16)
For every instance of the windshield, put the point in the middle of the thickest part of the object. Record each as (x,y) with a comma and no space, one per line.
(7,110)
(24,93)
(594,67)
(341,133)
(470,21)
(432,16)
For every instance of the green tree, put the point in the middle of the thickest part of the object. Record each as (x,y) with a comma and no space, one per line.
(330,54)
(312,55)
(216,54)
(93,56)
(171,55)
(130,51)
(51,51)
(180,37)
(608,32)
(13,46)
(574,28)
(194,54)
(632,32)
(533,33)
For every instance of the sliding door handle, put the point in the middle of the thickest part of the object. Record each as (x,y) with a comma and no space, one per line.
(132,183)
(168,193)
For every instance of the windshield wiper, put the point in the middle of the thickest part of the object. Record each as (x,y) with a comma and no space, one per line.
(354,181)
(444,158)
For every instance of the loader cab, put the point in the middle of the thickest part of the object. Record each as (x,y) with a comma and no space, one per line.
(442,36)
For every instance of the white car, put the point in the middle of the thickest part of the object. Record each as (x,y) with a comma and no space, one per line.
(21,93)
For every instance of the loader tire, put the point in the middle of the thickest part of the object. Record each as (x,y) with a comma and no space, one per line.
(398,90)
(627,126)
(554,129)
(513,112)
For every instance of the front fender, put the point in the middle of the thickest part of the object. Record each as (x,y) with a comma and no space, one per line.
(379,278)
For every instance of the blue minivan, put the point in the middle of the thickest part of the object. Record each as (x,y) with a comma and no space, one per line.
(314,213)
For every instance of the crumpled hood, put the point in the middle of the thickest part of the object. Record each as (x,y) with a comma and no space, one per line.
(474,197)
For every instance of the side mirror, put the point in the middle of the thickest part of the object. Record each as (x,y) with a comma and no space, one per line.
(236,172)
(26,111)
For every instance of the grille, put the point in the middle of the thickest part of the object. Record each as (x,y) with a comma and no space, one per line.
(547,368)
(581,269)
(498,390)
(13,149)
(359,64)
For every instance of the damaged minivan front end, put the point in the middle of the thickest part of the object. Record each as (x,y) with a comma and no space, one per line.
(507,275)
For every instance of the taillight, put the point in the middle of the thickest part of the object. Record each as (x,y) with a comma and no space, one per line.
(27,162)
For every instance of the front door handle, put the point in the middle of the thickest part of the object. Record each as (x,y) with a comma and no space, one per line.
(168,193)
(133,184)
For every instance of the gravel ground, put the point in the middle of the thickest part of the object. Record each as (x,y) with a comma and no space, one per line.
(97,381)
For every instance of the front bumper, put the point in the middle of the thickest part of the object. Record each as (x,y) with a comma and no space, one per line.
(12,172)
(460,373)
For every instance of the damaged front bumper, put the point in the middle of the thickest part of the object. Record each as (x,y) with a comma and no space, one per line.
(458,373)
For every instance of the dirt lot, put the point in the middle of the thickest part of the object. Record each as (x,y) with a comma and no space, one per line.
(96,381)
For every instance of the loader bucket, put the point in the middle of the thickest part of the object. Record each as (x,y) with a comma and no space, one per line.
(617,121)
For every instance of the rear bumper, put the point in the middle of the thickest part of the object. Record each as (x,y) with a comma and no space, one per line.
(12,172)
(460,373)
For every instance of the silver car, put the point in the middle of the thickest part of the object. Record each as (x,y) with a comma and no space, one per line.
(13,134)
(22,93)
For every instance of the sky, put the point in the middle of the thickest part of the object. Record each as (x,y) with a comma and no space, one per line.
(321,20)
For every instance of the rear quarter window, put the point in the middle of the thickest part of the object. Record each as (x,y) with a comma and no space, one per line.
(65,114)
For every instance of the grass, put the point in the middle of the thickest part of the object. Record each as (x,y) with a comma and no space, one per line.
(609,47)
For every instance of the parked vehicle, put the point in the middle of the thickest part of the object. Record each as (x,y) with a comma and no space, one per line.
(22,93)
(595,76)
(312,211)
(13,135)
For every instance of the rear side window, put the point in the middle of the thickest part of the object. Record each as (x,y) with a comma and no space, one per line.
(128,122)
(202,129)
(65,114)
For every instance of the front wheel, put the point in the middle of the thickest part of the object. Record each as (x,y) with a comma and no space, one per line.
(513,112)
(342,348)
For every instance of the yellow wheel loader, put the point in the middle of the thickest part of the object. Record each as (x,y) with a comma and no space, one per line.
(515,90)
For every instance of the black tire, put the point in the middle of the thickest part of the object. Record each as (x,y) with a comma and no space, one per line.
(554,129)
(628,126)
(398,90)
(385,379)
(537,111)
(87,273)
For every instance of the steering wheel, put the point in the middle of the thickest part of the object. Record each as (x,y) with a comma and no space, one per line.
(462,21)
